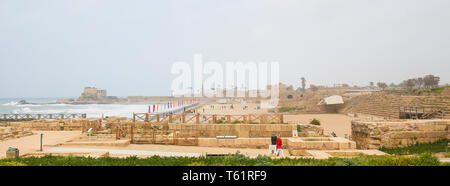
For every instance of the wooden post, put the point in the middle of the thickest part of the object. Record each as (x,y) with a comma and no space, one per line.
(183,117)
(146,117)
(132,133)
(245,119)
(134,117)
(228,119)
(170,118)
(281,118)
(197,119)
(82,126)
(158,117)
(249,118)
(214,118)
(117,131)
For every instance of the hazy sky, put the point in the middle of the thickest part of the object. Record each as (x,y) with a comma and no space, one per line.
(55,48)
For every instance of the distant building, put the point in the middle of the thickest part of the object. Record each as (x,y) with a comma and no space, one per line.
(92,94)
(332,103)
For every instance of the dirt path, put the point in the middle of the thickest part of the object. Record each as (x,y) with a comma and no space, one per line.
(182,149)
(32,143)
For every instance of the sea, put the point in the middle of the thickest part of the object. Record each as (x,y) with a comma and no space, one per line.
(11,106)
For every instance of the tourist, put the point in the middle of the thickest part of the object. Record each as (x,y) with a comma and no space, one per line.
(279,146)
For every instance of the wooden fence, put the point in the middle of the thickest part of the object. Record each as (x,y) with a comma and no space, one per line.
(42,116)
(208,119)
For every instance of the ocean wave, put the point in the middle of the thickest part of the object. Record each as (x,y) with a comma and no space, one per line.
(92,110)
(22,110)
(12,103)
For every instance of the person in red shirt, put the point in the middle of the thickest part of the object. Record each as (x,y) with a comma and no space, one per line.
(279,146)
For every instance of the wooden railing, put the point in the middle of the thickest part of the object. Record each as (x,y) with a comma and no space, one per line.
(420,112)
(42,116)
(208,119)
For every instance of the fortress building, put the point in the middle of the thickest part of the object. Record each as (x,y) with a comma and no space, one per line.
(92,94)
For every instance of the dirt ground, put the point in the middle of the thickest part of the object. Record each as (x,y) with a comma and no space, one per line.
(185,149)
(339,123)
(32,143)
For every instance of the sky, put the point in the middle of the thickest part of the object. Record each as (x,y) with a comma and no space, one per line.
(55,48)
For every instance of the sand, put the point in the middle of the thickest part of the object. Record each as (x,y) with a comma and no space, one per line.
(337,123)
(149,149)
(32,143)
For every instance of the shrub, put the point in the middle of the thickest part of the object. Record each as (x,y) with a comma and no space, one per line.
(315,121)
(12,163)
(236,159)
(299,129)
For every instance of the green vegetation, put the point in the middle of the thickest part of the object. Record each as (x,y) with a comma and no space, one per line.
(232,160)
(289,109)
(440,89)
(299,129)
(315,121)
(436,147)
(15,120)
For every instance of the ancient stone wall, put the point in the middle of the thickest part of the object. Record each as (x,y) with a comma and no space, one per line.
(240,130)
(397,133)
(310,130)
(13,132)
(245,130)
(55,124)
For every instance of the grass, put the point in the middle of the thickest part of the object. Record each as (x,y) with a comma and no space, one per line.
(289,109)
(439,89)
(232,160)
(435,147)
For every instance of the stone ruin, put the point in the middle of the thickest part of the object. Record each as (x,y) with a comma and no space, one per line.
(374,134)
(57,124)
(7,133)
